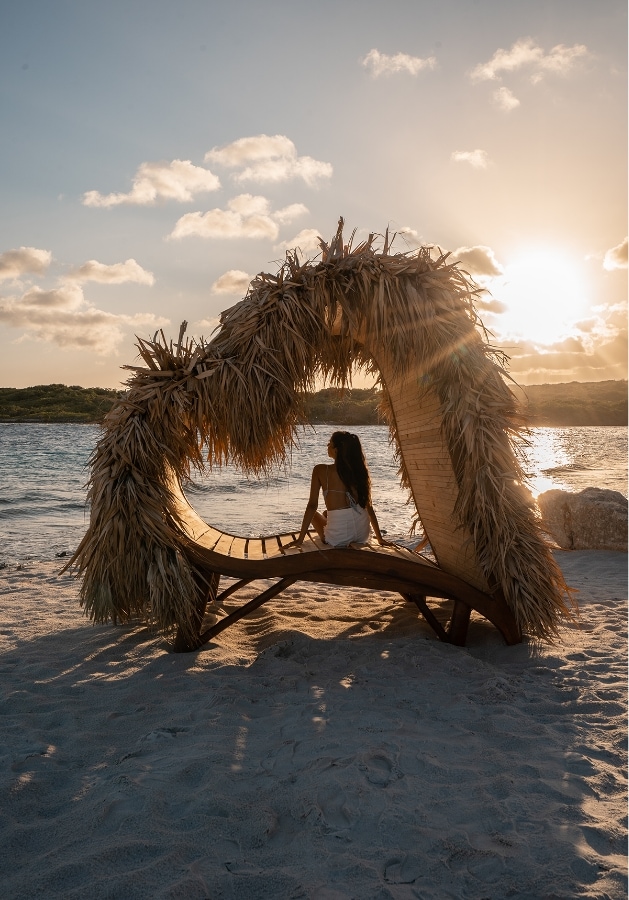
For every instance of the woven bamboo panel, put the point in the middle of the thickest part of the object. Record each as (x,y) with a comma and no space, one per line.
(433,483)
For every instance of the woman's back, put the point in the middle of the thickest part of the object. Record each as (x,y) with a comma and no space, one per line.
(335,493)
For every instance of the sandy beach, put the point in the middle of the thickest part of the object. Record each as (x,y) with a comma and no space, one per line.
(328,747)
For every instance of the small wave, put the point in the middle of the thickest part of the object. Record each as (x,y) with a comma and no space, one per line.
(563,470)
(70,510)
(239,487)
(194,487)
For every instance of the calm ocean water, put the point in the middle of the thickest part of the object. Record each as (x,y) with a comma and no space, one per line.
(43,472)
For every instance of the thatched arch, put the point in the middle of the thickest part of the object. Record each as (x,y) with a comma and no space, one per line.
(410,318)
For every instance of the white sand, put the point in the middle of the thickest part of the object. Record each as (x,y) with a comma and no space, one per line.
(328,747)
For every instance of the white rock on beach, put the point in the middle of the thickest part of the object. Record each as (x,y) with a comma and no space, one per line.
(593,519)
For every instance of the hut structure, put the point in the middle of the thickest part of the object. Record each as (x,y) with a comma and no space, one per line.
(410,319)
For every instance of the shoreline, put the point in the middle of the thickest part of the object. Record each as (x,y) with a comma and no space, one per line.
(326,423)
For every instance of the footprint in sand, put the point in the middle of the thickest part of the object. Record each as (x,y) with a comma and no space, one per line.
(379,769)
(336,809)
(402,870)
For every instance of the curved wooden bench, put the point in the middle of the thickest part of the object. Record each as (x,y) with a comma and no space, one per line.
(214,553)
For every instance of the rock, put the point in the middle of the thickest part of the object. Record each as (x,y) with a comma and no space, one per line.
(593,519)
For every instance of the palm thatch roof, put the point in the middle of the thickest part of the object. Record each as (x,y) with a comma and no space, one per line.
(238,397)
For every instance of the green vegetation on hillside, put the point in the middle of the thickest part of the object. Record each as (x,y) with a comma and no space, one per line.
(576,403)
(350,407)
(55,403)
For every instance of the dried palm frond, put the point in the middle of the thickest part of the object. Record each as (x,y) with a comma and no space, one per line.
(407,317)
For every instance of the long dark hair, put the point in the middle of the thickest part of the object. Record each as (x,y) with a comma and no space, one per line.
(351,466)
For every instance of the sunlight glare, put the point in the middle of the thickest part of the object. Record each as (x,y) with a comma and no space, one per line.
(545,295)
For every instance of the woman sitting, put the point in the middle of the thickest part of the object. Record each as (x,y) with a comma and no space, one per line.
(346,490)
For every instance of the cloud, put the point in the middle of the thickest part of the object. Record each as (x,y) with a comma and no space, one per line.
(14,263)
(209,324)
(505,100)
(252,149)
(381,64)
(525,53)
(307,242)
(478,159)
(616,257)
(479,260)
(269,158)
(118,273)
(67,297)
(234,281)
(177,180)
(409,236)
(62,317)
(489,304)
(288,213)
(246,216)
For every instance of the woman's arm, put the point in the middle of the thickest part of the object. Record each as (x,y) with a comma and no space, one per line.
(311,508)
(375,526)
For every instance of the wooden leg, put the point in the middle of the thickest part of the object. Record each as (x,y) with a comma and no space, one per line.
(459,623)
(206,593)
(420,601)
(225,622)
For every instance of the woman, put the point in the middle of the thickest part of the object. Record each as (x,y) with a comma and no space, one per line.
(346,490)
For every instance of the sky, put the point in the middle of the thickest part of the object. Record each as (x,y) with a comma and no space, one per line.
(155,155)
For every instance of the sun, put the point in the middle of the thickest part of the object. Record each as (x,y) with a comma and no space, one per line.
(544,294)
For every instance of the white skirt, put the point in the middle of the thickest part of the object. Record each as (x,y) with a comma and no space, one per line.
(347,525)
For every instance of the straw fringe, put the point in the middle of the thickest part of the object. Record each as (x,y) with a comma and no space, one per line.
(239,398)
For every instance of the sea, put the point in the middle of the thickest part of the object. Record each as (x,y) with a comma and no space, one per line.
(44,470)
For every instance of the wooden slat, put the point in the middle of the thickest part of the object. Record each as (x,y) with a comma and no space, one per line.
(309,540)
(238,547)
(255,549)
(284,540)
(223,544)
(273,547)
(210,538)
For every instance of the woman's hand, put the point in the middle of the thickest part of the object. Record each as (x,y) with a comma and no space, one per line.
(296,543)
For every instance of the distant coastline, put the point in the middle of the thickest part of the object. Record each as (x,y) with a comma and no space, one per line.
(553,405)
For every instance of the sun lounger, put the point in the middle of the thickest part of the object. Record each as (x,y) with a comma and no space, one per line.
(215,554)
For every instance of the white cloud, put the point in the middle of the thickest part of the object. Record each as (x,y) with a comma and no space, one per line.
(307,242)
(410,236)
(288,213)
(505,99)
(118,273)
(487,303)
(616,257)
(381,64)
(479,260)
(209,324)
(221,223)
(59,316)
(478,159)
(177,180)
(252,149)
(246,216)
(67,297)
(525,53)
(235,281)
(14,263)
(269,158)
